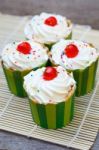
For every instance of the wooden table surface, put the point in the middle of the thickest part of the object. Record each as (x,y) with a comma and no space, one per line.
(79,11)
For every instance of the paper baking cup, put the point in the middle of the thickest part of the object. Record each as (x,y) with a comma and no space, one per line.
(53,116)
(85,79)
(15,80)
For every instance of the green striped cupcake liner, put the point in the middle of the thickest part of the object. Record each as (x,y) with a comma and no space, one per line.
(15,80)
(85,79)
(67,38)
(53,116)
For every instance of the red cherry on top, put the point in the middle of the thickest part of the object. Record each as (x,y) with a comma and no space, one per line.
(71,51)
(50,73)
(24,48)
(51,21)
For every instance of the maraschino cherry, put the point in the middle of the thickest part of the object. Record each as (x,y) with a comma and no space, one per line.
(71,51)
(24,48)
(50,73)
(51,21)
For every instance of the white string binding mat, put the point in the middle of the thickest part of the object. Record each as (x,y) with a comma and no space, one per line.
(32,131)
(6,105)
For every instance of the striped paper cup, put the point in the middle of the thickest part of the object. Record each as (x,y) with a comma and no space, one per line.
(53,116)
(15,80)
(85,79)
(67,38)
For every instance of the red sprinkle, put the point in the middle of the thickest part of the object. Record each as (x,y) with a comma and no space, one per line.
(51,21)
(50,73)
(71,51)
(24,48)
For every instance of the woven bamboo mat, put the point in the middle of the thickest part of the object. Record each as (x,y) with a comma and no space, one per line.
(15,113)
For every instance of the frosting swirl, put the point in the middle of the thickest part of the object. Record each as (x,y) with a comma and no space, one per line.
(53,91)
(36,29)
(16,60)
(86,54)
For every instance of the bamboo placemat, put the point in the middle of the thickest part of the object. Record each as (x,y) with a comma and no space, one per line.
(15,113)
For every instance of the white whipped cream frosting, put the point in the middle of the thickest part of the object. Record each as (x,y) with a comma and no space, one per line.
(18,61)
(36,29)
(53,91)
(86,55)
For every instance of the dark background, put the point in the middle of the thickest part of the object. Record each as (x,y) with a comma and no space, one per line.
(80,12)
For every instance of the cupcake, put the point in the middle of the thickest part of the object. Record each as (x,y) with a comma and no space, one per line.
(80,58)
(18,59)
(48,28)
(51,96)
